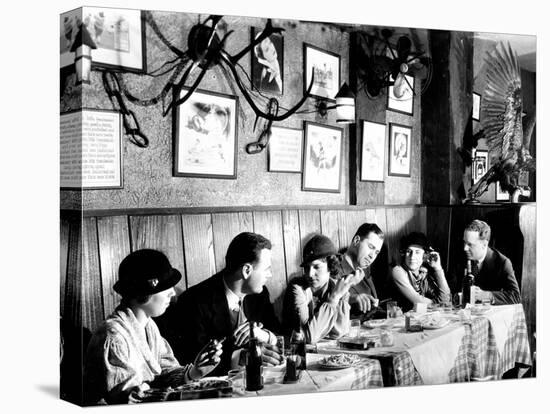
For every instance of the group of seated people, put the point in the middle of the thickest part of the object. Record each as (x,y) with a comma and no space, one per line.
(205,331)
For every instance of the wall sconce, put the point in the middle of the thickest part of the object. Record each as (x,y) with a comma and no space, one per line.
(82,48)
(345,106)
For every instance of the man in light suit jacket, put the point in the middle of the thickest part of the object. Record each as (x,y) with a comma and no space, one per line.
(494,276)
(221,306)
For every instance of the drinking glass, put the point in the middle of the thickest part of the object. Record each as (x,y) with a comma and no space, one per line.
(237,378)
(281,346)
(391,309)
(354,328)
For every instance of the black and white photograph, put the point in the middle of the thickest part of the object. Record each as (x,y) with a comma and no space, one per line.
(268,63)
(192,268)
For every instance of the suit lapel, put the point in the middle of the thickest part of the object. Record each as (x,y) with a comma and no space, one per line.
(220,309)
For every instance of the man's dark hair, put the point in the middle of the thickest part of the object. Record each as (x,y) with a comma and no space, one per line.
(245,248)
(366,228)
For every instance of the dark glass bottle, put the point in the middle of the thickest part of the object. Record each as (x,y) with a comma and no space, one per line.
(467,283)
(254,379)
(298,347)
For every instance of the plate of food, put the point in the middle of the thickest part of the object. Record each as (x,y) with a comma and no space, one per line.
(434,321)
(375,323)
(212,387)
(339,361)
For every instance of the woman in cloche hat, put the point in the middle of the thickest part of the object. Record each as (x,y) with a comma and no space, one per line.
(317,302)
(127,355)
(419,278)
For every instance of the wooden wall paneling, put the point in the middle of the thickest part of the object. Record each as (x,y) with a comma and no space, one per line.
(292,243)
(269,224)
(161,233)
(225,227)
(528,225)
(349,221)
(330,226)
(72,314)
(199,247)
(114,246)
(438,231)
(63,258)
(92,295)
(310,223)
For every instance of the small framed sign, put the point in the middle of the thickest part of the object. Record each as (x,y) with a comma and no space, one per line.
(285,150)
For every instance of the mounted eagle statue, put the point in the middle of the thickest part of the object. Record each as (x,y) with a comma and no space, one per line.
(501,120)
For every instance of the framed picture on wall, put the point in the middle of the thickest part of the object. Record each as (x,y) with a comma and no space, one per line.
(401,99)
(500,194)
(324,66)
(476,106)
(285,150)
(480,166)
(268,63)
(117,33)
(400,150)
(373,144)
(322,158)
(205,136)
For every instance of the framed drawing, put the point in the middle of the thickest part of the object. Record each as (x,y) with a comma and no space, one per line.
(205,136)
(404,100)
(400,150)
(117,33)
(284,152)
(476,106)
(268,63)
(500,194)
(322,158)
(373,143)
(90,150)
(479,168)
(325,67)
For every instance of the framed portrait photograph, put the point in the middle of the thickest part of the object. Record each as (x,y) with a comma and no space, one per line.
(205,136)
(373,144)
(403,101)
(284,152)
(480,165)
(500,194)
(322,158)
(476,106)
(90,150)
(325,67)
(400,150)
(117,33)
(268,63)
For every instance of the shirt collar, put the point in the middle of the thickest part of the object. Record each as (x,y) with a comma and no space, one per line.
(233,300)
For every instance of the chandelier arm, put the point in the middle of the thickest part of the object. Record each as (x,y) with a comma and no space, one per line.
(250,101)
(179,86)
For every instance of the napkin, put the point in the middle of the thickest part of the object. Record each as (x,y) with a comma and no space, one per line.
(435,357)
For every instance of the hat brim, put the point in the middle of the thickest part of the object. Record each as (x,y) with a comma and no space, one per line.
(166,281)
(317,257)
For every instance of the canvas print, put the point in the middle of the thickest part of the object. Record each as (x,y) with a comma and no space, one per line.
(205,271)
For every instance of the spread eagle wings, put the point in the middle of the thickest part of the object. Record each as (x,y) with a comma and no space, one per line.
(501,122)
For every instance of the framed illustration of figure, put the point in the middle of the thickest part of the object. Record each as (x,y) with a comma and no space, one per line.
(373,145)
(322,158)
(400,150)
(479,167)
(205,136)
(268,63)
(325,67)
(401,99)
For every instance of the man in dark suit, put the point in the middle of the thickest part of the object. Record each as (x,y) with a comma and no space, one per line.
(221,306)
(494,277)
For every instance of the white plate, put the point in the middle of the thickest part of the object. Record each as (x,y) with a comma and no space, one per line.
(439,325)
(375,323)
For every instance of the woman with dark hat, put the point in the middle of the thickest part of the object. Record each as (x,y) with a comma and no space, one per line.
(317,303)
(127,355)
(419,279)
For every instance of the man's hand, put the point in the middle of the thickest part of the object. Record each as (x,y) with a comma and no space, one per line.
(434,260)
(482,295)
(363,301)
(271,355)
(357,276)
(242,334)
(207,359)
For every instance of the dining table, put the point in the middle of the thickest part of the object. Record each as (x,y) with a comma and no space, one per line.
(479,344)
(364,374)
